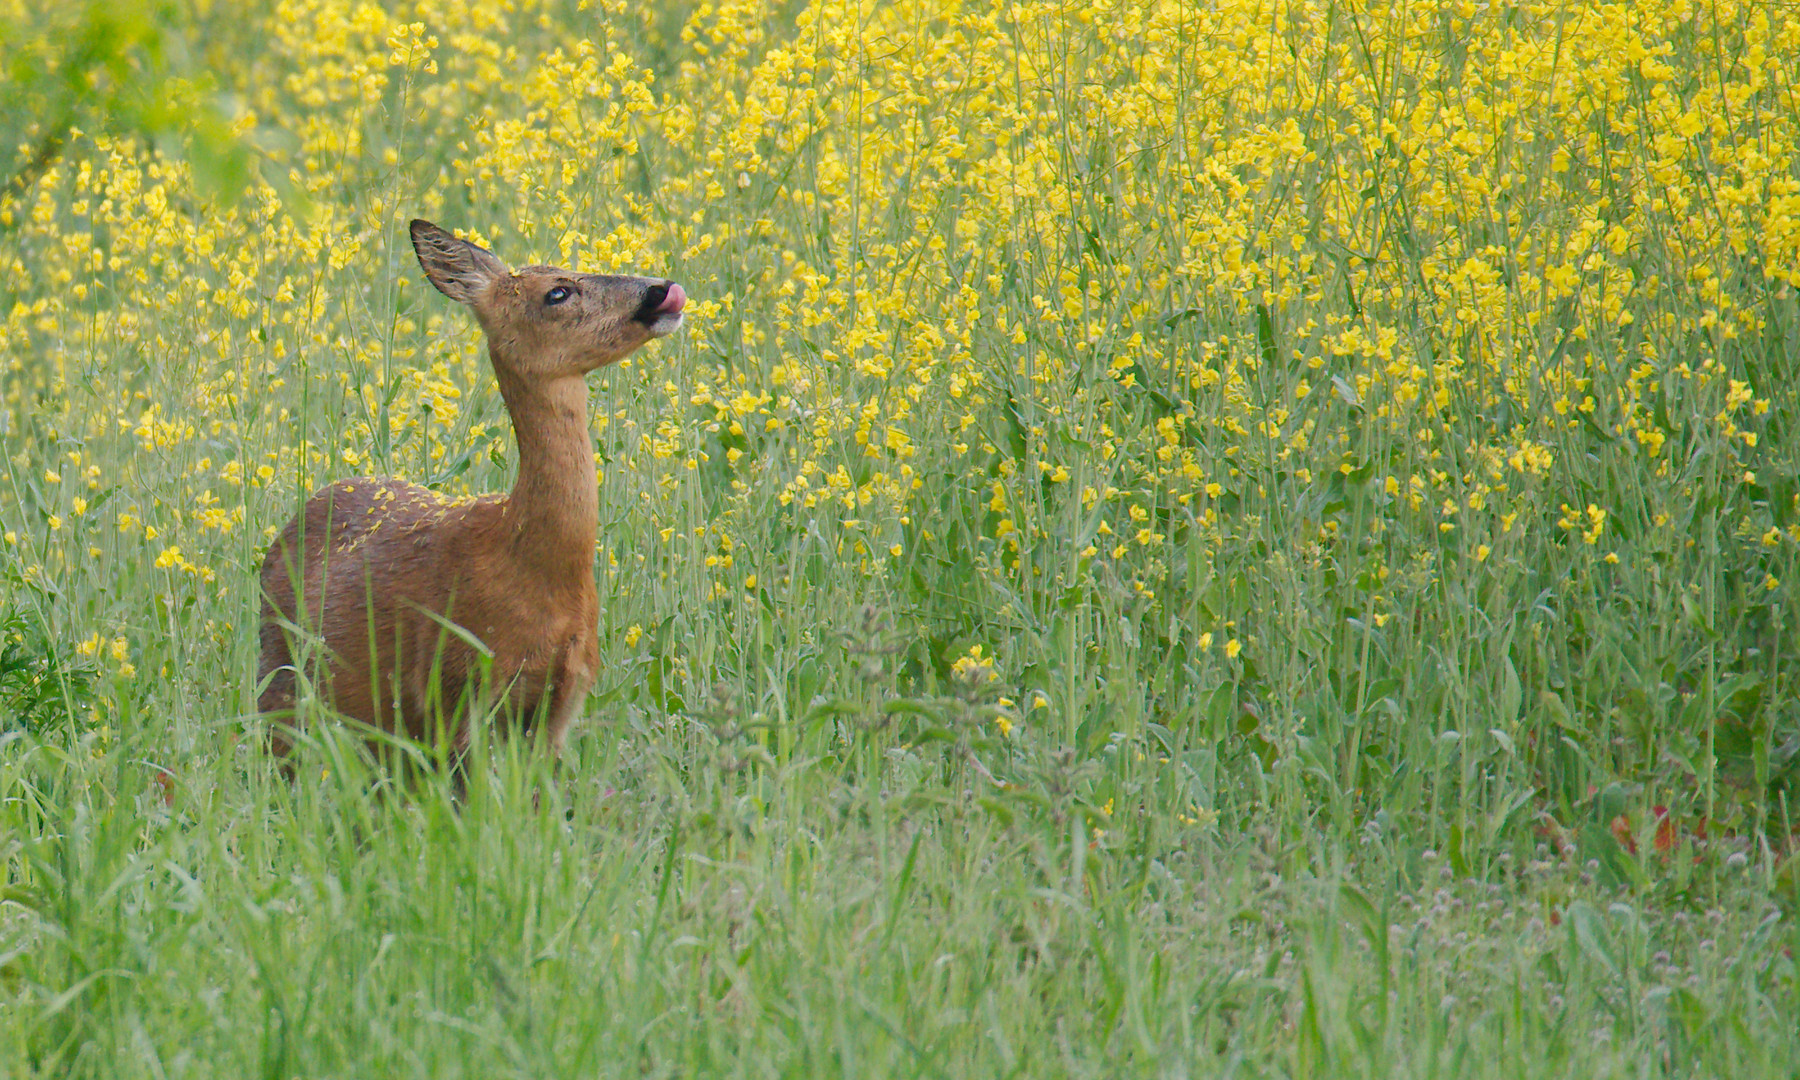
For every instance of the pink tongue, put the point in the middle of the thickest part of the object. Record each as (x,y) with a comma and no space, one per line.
(674,302)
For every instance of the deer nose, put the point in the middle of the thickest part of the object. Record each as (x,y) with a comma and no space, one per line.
(667,298)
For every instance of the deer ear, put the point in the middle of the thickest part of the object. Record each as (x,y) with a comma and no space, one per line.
(459,269)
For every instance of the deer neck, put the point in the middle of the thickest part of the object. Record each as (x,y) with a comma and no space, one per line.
(552,514)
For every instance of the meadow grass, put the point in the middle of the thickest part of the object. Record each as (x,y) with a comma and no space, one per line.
(1177,539)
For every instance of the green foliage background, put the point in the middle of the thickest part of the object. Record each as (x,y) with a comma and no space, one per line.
(1231,539)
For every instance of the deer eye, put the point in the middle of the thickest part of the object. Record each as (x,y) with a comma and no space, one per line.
(558,295)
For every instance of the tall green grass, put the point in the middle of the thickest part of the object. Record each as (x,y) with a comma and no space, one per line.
(665,912)
(1431,723)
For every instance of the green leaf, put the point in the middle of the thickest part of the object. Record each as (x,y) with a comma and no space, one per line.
(1511,693)
(1590,934)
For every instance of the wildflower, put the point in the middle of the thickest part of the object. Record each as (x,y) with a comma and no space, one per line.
(1199,817)
(1597,520)
(973,668)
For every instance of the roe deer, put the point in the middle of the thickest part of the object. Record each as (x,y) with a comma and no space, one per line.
(403,586)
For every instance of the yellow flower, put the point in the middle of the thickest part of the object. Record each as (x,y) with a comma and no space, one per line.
(632,635)
(974,668)
(1199,817)
(1233,647)
(1597,519)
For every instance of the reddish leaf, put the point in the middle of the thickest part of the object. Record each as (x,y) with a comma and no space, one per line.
(1621,830)
(1665,830)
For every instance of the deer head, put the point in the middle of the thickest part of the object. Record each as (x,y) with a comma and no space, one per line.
(543,322)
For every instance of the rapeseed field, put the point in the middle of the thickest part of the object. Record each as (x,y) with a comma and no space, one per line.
(1178,538)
